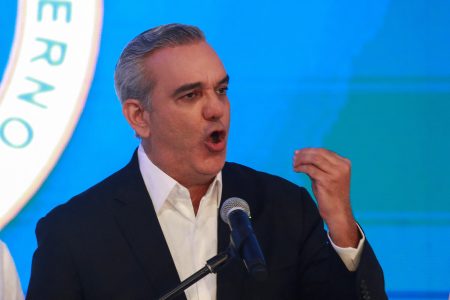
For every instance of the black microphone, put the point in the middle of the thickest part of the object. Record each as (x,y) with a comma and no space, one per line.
(236,213)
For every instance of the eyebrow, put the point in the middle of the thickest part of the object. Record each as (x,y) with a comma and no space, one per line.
(196,85)
(226,79)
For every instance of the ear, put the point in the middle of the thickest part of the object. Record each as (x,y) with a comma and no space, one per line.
(137,116)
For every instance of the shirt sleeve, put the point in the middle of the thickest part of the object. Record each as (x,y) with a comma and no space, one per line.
(350,256)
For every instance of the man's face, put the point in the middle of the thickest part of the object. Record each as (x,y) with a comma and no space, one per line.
(189,113)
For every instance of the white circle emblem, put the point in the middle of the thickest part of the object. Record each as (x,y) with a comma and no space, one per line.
(43,92)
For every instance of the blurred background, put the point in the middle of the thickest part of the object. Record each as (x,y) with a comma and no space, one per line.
(367,79)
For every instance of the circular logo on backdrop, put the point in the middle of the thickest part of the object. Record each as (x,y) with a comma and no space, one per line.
(43,92)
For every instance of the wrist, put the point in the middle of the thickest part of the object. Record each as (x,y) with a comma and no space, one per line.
(344,232)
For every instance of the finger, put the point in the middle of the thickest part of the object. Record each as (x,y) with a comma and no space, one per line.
(313,172)
(314,152)
(315,158)
(317,161)
(331,156)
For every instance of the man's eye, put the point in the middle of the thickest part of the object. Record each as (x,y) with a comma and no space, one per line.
(190,95)
(222,90)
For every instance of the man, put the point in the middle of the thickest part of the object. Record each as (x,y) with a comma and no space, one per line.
(138,233)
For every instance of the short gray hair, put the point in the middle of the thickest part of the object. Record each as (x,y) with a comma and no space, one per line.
(130,78)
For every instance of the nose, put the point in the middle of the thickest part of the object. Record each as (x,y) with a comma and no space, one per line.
(215,107)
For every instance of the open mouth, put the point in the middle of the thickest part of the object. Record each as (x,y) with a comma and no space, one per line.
(217,136)
(216,141)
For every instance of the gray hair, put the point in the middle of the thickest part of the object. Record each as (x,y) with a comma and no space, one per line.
(130,78)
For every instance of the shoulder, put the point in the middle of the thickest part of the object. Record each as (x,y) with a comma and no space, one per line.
(94,196)
(93,205)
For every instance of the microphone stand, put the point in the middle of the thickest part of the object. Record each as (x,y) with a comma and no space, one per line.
(212,266)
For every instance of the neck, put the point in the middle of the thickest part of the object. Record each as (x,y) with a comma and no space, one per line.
(197,192)
(197,189)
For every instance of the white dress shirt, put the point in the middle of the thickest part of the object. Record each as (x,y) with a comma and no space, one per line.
(10,288)
(192,239)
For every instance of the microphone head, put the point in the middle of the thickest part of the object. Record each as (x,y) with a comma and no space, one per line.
(232,204)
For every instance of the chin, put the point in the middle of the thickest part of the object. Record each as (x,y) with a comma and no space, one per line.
(212,166)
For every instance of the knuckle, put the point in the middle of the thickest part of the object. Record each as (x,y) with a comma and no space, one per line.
(348,165)
(343,172)
(345,165)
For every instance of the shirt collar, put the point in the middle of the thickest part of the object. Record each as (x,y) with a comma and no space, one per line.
(159,185)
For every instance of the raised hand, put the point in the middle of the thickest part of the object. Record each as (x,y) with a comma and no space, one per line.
(330,176)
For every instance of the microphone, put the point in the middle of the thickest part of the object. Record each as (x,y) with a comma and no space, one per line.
(236,213)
